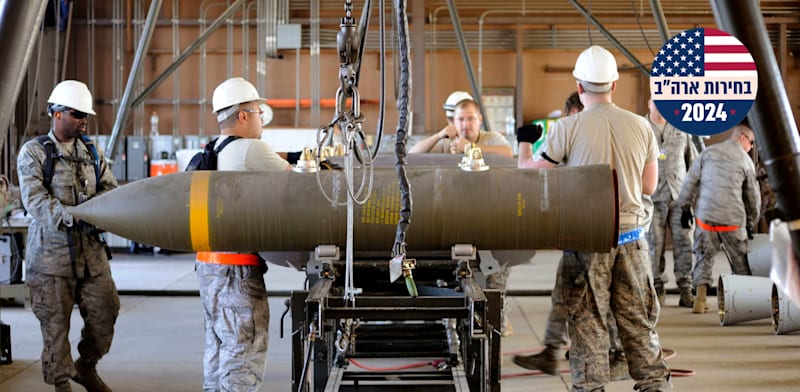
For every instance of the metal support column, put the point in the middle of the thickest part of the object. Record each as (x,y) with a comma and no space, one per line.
(186,53)
(661,20)
(771,116)
(124,107)
(782,48)
(314,61)
(611,38)
(418,120)
(451,6)
(141,50)
(663,30)
(519,76)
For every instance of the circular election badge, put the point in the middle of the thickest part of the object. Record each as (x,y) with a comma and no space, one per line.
(703,81)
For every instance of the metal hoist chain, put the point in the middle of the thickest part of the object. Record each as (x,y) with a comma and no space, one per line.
(349,120)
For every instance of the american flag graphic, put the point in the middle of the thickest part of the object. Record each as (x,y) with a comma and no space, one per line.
(703,81)
(703,52)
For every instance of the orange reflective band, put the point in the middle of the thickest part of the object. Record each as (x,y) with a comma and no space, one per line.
(227,258)
(715,228)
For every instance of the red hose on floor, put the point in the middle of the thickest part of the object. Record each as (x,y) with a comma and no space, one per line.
(399,367)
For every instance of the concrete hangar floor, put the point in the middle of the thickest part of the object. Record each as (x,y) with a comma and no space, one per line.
(159,343)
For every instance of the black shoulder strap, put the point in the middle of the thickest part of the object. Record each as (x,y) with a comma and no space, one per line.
(95,156)
(210,145)
(51,156)
(50,159)
(225,143)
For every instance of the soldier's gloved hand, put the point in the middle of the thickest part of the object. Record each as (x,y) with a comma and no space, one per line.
(293,157)
(749,232)
(687,218)
(89,228)
(529,133)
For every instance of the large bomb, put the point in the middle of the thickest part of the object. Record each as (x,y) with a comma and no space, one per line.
(502,208)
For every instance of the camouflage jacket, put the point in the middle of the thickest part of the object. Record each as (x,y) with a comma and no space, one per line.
(56,244)
(676,154)
(722,187)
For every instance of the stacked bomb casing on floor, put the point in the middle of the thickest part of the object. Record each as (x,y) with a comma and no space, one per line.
(744,298)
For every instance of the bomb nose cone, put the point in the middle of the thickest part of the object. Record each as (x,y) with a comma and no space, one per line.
(152,211)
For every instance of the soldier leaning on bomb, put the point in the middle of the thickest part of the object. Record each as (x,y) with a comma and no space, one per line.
(67,262)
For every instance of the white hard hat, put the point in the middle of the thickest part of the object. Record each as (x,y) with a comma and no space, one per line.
(596,65)
(453,100)
(232,92)
(72,94)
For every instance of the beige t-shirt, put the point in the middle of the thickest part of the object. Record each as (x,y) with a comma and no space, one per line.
(606,134)
(484,139)
(248,154)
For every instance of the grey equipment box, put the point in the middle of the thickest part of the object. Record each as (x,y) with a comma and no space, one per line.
(137,158)
(10,260)
(164,146)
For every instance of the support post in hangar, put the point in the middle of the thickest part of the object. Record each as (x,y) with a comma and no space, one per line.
(771,117)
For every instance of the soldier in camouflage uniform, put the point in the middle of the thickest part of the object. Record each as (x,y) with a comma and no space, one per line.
(555,335)
(67,262)
(676,153)
(722,188)
(619,281)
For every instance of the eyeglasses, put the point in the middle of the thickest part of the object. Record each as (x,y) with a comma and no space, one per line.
(77,115)
(259,111)
(468,119)
(752,141)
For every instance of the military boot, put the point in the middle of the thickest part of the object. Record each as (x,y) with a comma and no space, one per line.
(700,305)
(546,361)
(86,375)
(618,366)
(687,299)
(63,386)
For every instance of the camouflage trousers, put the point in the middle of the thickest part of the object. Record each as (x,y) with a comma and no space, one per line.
(667,215)
(52,301)
(555,334)
(620,282)
(236,318)
(505,260)
(499,279)
(708,243)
